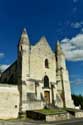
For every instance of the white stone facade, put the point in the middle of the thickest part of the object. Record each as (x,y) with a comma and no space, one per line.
(40,75)
(9,101)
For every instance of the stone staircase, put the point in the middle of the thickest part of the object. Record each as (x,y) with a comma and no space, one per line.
(50,106)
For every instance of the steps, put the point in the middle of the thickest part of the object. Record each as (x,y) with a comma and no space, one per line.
(50,106)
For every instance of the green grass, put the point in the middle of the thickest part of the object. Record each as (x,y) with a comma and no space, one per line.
(51,111)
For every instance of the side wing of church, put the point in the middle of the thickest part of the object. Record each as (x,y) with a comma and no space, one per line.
(40,75)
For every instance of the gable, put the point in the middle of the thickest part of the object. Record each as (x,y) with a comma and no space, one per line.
(39,53)
(42,47)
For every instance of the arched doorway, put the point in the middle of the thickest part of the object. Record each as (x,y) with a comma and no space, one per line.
(46,93)
(47,97)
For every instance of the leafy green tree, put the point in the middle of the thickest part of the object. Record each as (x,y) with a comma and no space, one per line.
(78,100)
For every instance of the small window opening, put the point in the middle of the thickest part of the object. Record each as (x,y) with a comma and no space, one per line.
(21,48)
(46,63)
(15,106)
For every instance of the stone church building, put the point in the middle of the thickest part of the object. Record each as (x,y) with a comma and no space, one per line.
(38,78)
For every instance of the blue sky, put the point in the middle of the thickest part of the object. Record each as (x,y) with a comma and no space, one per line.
(56,19)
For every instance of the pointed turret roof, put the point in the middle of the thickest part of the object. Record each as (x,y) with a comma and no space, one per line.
(24,39)
(59,48)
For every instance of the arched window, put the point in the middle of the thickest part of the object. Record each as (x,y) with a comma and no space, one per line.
(46,82)
(46,63)
(21,48)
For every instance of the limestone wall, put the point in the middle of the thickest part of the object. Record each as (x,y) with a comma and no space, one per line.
(33,105)
(9,101)
(79,114)
(67,90)
(57,117)
(39,53)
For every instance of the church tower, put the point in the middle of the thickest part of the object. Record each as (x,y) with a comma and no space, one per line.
(63,83)
(23,67)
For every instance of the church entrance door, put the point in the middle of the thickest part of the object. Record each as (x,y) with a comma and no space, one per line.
(47,97)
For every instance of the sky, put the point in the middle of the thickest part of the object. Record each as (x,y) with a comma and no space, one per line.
(56,20)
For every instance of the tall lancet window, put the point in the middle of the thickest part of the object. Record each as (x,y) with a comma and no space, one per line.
(46,82)
(21,48)
(46,63)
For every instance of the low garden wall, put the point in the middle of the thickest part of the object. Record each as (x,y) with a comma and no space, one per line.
(79,114)
(48,117)
(76,113)
(57,115)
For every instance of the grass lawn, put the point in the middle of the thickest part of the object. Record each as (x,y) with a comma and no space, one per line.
(51,111)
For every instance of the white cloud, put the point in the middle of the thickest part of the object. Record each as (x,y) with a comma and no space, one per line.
(73,48)
(2,55)
(4,67)
(77,25)
(77,81)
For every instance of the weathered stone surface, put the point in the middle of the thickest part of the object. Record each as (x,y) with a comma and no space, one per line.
(9,102)
(48,117)
(79,114)
(57,117)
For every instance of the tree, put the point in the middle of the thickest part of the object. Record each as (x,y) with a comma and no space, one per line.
(78,100)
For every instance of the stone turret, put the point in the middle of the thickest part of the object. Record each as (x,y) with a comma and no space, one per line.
(63,83)
(23,68)
(24,39)
(60,64)
(24,55)
(60,57)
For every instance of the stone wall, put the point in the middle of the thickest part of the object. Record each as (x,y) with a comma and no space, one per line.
(79,114)
(9,101)
(57,117)
(67,89)
(34,105)
(39,53)
(48,117)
